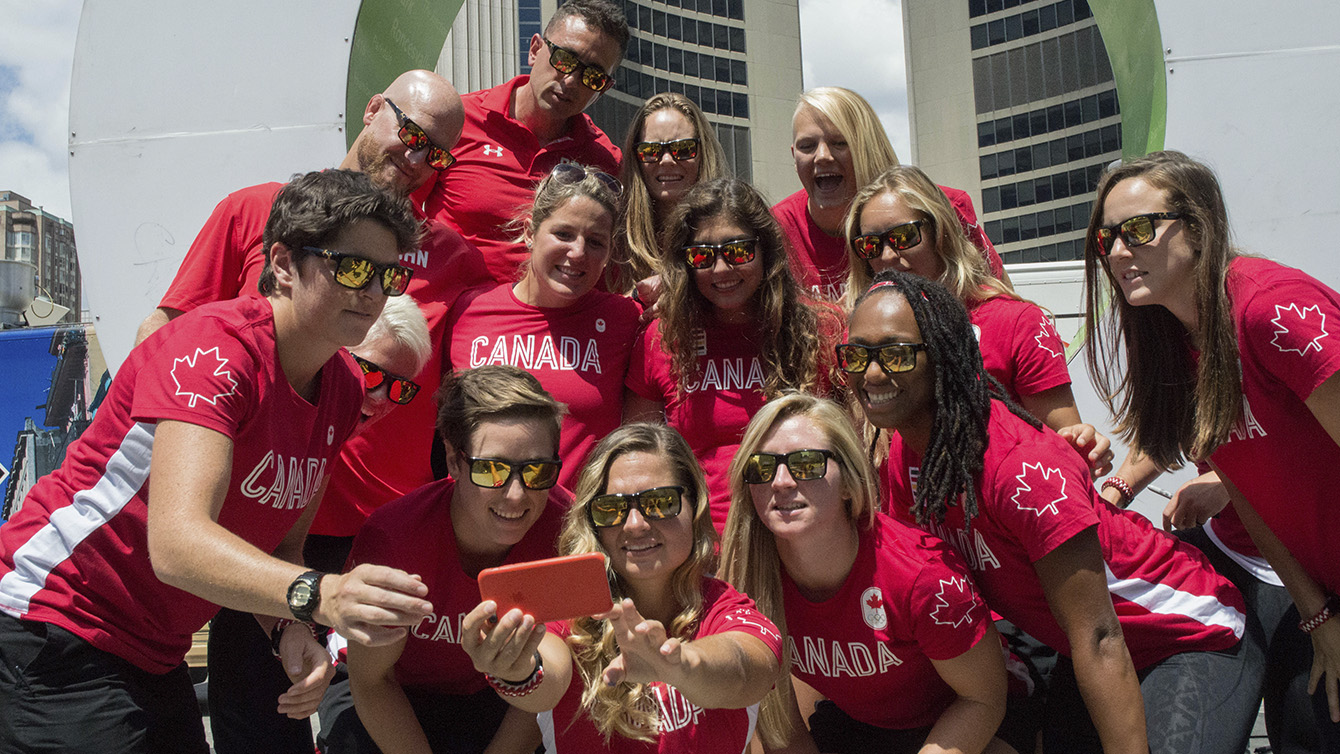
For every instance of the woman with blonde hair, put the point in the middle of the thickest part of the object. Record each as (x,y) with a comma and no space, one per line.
(670,147)
(839,145)
(735,328)
(902,221)
(872,606)
(680,660)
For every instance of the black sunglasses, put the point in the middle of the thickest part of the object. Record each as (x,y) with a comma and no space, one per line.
(900,237)
(1134,231)
(398,389)
(679,149)
(492,473)
(892,357)
(566,61)
(702,256)
(804,465)
(611,509)
(414,137)
(357,273)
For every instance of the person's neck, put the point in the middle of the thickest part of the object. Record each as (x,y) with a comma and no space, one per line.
(819,564)
(475,556)
(300,357)
(829,219)
(916,438)
(527,111)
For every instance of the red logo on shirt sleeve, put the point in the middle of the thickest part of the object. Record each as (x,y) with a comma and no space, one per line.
(956,601)
(1039,489)
(1304,328)
(202,376)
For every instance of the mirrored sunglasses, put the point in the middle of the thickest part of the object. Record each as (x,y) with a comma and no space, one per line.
(702,256)
(567,173)
(492,473)
(891,357)
(398,389)
(414,137)
(679,149)
(566,61)
(804,465)
(1135,231)
(611,509)
(900,237)
(357,273)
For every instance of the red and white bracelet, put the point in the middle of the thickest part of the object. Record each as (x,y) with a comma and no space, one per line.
(519,688)
(277,632)
(1122,488)
(1328,611)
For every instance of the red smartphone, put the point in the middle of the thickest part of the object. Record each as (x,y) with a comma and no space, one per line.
(552,589)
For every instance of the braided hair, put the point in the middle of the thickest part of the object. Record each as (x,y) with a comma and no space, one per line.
(953,461)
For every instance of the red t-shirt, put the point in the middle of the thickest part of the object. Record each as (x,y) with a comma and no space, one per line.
(227,256)
(1035,493)
(685,728)
(819,260)
(414,534)
(579,353)
(498,164)
(77,553)
(392,456)
(1279,456)
(1020,346)
(907,600)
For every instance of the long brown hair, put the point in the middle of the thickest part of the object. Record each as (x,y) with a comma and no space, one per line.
(1164,404)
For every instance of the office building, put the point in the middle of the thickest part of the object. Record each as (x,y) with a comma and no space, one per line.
(35,236)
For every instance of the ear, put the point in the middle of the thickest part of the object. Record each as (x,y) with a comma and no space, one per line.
(374,107)
(536,45)
(283,265)
(455,466)
(527,234)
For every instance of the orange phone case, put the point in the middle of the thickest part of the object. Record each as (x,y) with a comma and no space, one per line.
(552,589)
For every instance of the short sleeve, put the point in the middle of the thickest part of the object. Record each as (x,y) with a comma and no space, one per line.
(1039,354)
(225,253)
(1044,496)
(646,365)
(1289,330)
(731,611)
(203,375)
(949,616)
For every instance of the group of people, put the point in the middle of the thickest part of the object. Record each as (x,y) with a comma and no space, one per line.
(824,447)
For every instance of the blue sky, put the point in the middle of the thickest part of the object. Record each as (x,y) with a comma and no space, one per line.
(853,43)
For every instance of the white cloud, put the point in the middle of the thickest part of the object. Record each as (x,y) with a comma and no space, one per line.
(858,44)
(36,53)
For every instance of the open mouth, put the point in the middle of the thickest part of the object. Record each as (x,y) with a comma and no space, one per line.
(639,548)
(827,182)
(879,397)
(727,286)
(510,518)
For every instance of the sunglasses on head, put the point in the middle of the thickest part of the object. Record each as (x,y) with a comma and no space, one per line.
(414,137)
(891,357)
(398,389)
(900,237)
(611,509)
(567,173)
(1134,231)
(357,272)
(679,149)
(702,256)
(492,473)
(804,465)
(566,61)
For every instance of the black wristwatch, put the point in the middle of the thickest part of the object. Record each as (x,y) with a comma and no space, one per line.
(304,595)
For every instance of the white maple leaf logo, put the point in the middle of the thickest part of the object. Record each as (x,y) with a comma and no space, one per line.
(957,600)
(1308,326)
(202,376)
(1047,333)
(1039,486)
(744,616)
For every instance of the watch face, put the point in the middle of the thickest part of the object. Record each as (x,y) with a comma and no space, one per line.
(300,595)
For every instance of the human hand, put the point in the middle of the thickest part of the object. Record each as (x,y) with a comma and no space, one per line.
(1326,663)
(308,666)
(645,652)
(372,604)
(649,293)
(501,647)
(1195,502)
(1093,445)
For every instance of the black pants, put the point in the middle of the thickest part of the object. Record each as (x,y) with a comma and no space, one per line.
(452,724)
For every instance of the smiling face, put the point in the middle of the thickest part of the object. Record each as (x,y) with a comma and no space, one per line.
(1161,272)
(728,288)
(904,401)
(823,161)
(567,253)
(488,521)
(563,95)
(888,210)
(646,552)
(380,153)
(329,312)
(793,510)
(666,179)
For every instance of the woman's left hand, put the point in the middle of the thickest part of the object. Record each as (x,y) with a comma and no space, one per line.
(1096,449)
(1326,664)
(645,652)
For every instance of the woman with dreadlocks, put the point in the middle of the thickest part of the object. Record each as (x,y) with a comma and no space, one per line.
(1132,610)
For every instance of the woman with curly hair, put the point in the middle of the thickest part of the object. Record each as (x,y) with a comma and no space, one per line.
(680,660)
(670,147)
(735,329)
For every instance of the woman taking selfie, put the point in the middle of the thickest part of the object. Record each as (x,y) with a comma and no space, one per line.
(1227,358)
(1133,611)
(680,660)
(734,331)
(873,606)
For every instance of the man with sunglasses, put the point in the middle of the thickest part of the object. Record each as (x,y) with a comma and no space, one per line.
(516,132)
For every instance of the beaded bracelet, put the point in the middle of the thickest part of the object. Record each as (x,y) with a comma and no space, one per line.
(1328,611)
(1122,488)
(518,688)
(277,632)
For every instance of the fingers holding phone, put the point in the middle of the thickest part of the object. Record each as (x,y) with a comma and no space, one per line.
(501,647)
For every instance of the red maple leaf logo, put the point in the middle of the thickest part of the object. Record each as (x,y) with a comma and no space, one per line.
(1304,327)
(875,602)
(202,377)
(1038,489)
(956,601)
